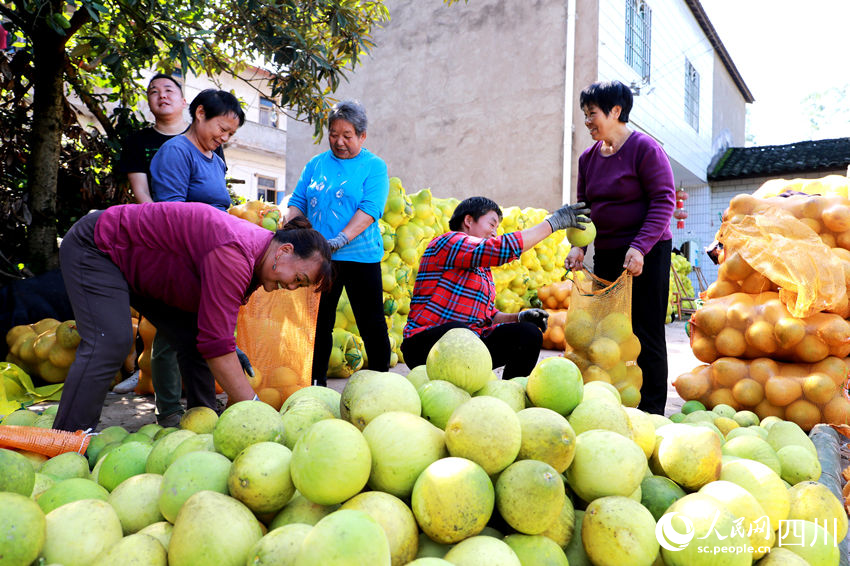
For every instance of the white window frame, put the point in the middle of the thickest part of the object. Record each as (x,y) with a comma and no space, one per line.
(639,37)
(691,95)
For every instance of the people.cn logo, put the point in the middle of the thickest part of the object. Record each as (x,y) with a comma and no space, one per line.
(670,538)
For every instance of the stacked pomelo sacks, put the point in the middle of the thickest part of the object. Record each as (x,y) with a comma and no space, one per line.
(464,469)
(555,298)
(777,353)
(259,212)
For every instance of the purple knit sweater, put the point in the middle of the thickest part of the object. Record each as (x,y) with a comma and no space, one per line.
(631,193)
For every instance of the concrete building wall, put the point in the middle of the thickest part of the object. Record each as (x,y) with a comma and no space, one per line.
(465,99)
(729,116)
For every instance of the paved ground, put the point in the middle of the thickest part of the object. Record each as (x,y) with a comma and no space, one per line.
(132,411)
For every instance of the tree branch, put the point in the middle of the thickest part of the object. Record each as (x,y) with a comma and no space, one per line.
(88,99)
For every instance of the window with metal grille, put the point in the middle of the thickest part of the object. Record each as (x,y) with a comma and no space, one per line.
(691,95)
(638,36)
(268,116)
(267,189)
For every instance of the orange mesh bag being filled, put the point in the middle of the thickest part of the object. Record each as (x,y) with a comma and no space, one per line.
(46,441)
(599,335)
(748,326)
(807,394)
(277,331)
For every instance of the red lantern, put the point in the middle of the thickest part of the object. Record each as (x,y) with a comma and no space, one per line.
(680,204)
(680,214)
(681,195)
(680,224)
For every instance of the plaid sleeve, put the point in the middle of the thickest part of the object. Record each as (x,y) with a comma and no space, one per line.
(461,251)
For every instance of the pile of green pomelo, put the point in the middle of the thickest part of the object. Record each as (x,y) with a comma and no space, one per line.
(447,465)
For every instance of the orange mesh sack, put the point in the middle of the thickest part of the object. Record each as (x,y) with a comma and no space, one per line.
(754,326)
(807,394)
(46,441)
(553,338)
(277,331)
(599,334)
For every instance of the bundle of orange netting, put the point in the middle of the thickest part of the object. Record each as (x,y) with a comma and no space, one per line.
(47,441)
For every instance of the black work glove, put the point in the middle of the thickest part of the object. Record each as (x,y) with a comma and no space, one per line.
(569,216)
(245,362)
(537,317)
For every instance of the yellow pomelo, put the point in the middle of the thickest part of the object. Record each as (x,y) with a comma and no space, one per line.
(753,448)
(482,551)
(536,549)
(16,473)
(593,389)
(780,556)
(71,489)
(22,529)
(697,521)
(811,542)
(189,474)
(485,430)
(461,358)
(452,499)
(65,466)
(260,477)
(600,413)
(301,510)
(162,450)
(604,352)
(301,415)
(742,504)
(604,522)
(813,501)
(199,420)
(579,330)
(784,433)
(555,383)
(79,531)
(691,458)
(529,496)
(546,436)
(381,392)
(395,518)
(161,531)
(136,501)
(346,537)
(798,464)
(562,528)
(617,326)
(245,423)
(763,483)
(439,400)
(642,429)
(581,238)
(196,443)
(134,549)
(630,348)
(605,463)
(508,391)
(280,546)
(328,396)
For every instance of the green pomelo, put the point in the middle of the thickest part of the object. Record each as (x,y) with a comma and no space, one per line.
(746,418)
(712,427)
(162,450)
(691,406)
(430,548)
(641,429)
(213,528)
(346,537)
(724,410)
(677,417)
(605,463)
(510,392)
(743,505)
(798,464)
(482,551)
(785,433)
(575,552)
(395,518)
(659,420)
(439,400)
(546,436)
(813,501)
(189,474)
(769,421)
(700,416)
(259,477)
(452,499)
(485,430)
(78,532)
(134,549)
(66,466)
(114,433)
(137,437)
(600,414)
(246,423)
(21,417)
(136,501)
(741,431)
(161,531)
(753,448)
(691,458)
(123,462)
(42,484)
(150,429)
(328,396)
(381,393)
(44,421)
(763,483)
(22,529)
(280,546)
(759,430)
(461,358)
(197,443)
(658,493)
(562,528)
(301,415)
(594,389)
(605,519)
(711,524)
(16,473)
(34,458)
(812,543)
(581,238)
(779,556)
(418,376)
(200,420)
(301,510)
(402,445)
(529,496)
(72,489)
(555,383)
(429,561)
(331,462)
(352,384)
(164,432)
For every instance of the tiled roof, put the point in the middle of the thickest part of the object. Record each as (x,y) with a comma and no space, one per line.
(772,160)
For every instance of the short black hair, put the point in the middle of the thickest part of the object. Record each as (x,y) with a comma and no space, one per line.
(476,207)
(171,78)
(607,95)
(217,103)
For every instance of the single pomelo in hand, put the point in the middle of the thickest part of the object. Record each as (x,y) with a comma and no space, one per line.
(581,238)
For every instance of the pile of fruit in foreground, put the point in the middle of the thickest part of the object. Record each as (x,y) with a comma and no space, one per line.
(448,465)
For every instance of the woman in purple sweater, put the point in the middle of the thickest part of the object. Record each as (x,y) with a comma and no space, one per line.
(626,179)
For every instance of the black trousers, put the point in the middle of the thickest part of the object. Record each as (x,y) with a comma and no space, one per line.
(649,309)
(362,283)
(515,345)
(101,299)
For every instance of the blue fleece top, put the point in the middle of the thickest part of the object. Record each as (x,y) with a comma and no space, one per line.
(181,173)
(331,190)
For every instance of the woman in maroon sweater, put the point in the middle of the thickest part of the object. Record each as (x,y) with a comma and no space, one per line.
(626,179)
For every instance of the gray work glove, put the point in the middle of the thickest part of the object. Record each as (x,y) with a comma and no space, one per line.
(338,241)
(537,317)
(245,362)
(569,216)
